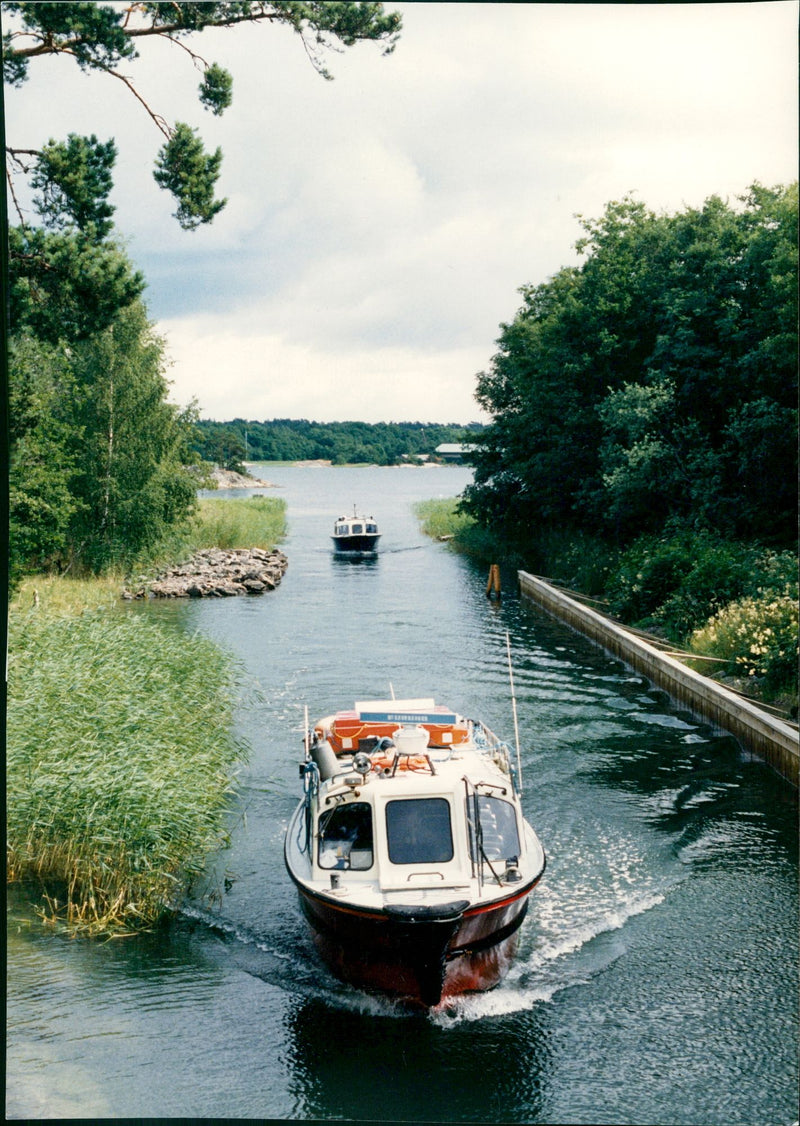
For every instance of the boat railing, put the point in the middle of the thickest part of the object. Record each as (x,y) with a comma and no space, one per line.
(486,741)
(404,888)
(310,775)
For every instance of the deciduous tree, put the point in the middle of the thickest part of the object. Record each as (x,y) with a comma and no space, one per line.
(655,383)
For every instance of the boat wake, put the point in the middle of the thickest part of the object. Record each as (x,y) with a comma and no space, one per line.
(549,965)
(553,964)
(287,961)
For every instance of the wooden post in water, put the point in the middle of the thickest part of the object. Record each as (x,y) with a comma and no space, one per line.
(493,583)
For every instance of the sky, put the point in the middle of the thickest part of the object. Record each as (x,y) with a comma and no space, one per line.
(379,226)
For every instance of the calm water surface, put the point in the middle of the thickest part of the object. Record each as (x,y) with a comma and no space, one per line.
(657,976)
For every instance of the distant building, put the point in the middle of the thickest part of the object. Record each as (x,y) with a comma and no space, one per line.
(454,451)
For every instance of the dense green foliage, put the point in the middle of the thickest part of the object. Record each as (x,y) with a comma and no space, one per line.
(98,37)
(284,439)
(643,443)
(656,382)
(98,465)
(735,605)
(120,757)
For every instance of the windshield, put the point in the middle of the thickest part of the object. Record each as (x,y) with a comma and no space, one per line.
(345,837)
(418,831)
(498,823)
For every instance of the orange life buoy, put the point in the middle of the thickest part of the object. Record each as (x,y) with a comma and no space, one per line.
(406,762)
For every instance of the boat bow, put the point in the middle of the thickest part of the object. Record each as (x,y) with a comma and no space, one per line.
(409,850)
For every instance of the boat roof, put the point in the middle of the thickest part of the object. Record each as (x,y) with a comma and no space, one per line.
(422,710)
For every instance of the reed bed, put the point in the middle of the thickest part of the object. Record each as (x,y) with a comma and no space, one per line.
(254,521)
(441,519)
(226,522)
(120,755)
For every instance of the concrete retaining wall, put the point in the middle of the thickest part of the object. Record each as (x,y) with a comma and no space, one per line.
(766,736)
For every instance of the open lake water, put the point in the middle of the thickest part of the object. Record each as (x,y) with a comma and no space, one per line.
(657,977)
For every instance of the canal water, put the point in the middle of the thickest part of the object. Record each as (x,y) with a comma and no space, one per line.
(656,980)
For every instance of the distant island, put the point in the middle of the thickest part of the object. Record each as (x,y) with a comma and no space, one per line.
(231,444)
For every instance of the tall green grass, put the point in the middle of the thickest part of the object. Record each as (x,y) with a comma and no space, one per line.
(120,759)
(247,522)
(121,754)
(227,522)
(441,519)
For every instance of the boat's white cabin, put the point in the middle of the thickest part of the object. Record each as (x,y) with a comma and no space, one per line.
(355,526)
(410,819)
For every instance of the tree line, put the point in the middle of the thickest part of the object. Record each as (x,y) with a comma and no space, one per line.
(100,459)
(643,438)
(654,385)
(229,444)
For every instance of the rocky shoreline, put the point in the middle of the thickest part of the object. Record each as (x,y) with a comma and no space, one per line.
(229,479)
(218,573)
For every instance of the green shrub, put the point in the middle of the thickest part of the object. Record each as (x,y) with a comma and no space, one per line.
(573,559)
(758,636)
(674,583)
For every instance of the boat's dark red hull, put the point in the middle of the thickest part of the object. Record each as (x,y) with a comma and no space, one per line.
(417,955)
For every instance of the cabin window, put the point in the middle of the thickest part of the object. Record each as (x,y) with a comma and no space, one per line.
(371,528)
(418,831)
(345,837)
(498,828)
(358,529)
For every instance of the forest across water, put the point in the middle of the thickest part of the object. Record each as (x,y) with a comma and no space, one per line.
(231,443)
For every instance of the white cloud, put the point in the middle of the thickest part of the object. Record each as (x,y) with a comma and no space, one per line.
(378,226)
(257,376)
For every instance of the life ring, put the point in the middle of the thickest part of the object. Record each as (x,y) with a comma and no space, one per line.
(406,762)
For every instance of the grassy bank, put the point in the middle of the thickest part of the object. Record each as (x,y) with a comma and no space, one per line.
(440,519)
(120,750)
(734,605)
(255,521)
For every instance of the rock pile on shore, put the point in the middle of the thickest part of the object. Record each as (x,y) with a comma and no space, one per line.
(229,479)
(219,573)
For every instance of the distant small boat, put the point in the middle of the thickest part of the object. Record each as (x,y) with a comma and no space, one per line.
(355,534)
(410,852)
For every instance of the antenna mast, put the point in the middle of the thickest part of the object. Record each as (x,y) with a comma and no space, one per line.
(514,710)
